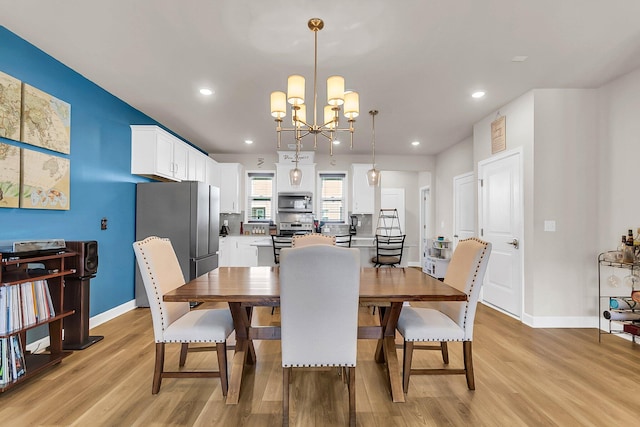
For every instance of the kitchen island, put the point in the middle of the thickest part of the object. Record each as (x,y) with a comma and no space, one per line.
(366,245)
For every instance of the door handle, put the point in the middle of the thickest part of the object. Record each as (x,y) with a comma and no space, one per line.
(514,243)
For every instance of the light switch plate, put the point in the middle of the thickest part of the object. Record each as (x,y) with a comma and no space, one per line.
(549,225)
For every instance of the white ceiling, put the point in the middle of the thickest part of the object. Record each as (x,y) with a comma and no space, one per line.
(416,61)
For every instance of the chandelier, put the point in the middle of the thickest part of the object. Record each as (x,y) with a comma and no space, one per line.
(337,98)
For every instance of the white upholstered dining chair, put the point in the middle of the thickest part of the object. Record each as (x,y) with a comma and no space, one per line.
(175,322)
(447,321)
(300,240)
(319,313)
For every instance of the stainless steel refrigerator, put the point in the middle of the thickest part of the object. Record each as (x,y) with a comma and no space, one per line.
(188,213)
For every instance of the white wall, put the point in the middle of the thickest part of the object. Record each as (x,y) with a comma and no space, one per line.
(454,161)
(557,130)
(619,160)
(565,186)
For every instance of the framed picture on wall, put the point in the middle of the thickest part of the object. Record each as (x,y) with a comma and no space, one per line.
(46,120)
(9,176)
(45,181)
(10,103)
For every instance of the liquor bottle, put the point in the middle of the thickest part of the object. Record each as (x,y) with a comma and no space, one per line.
(628,255)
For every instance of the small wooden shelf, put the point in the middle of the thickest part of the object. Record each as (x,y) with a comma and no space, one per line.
(35,325)
(14,271)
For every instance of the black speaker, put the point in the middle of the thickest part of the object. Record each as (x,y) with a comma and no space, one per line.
(86,262)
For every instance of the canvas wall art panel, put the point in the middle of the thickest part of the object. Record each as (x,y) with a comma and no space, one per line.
(45,181)
(9,176)
(10,104)
(46,120)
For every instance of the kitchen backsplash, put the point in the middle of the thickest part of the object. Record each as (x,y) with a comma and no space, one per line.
(234,220)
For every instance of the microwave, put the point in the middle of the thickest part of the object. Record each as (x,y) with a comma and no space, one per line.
(295,202)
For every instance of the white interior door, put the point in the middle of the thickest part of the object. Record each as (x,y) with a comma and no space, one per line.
(501,219)
(464,224)
(393,198)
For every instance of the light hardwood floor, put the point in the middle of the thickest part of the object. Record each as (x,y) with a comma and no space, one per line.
(524,377)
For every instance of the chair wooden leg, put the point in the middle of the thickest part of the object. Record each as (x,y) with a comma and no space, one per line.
(351,373)
(406,364)
(286,373)
(468,365)
(445,352)
(159,368)
(221,349)
(184,349)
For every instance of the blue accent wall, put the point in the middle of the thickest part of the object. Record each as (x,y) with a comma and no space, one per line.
(101,182)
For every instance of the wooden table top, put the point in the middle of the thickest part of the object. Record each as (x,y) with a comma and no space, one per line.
(261,285)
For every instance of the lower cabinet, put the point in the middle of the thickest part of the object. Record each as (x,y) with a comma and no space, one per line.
(238,251)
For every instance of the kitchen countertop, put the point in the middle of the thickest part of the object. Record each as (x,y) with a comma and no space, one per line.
(356,241)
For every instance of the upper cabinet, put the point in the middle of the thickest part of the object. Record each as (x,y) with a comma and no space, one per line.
(307,184)
(231,187)
(363,195)
(155,153)
(197,166)
(212,172)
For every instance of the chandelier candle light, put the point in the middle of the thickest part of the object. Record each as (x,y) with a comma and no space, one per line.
(336,97)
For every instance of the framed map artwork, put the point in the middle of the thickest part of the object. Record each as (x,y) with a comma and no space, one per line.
(45,181)
(9,176)
(46,120)
(10,103)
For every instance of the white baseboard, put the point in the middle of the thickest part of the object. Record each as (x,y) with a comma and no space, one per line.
(43,343)
(560,321)
(552,321)
(103,317)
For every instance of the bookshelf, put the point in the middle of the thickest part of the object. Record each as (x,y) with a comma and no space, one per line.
(37,275)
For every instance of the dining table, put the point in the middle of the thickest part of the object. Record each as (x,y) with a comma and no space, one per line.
(243,288)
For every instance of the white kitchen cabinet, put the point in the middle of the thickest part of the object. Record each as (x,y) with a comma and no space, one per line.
(157,154)
(308,183)
(238,251)
(246,253)
(212,172)
(197,166)
(231,187)
(363,195)
(224,251)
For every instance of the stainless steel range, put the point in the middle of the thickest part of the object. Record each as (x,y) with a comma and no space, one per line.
(294,223)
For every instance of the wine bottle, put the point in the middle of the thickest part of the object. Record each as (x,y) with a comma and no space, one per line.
(617,303)
(621,315)
(628,254)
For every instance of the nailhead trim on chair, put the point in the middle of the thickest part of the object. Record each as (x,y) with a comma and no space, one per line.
(315,365)
(153,279)
(475,275)
(473,282)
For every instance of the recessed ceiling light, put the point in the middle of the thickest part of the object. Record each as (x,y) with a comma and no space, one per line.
(415,143)
(336,142)
(519,58)
(205,91)
(478,94)
(248,141)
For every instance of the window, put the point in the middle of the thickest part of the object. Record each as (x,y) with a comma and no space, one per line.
(260,189)
(332,197)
